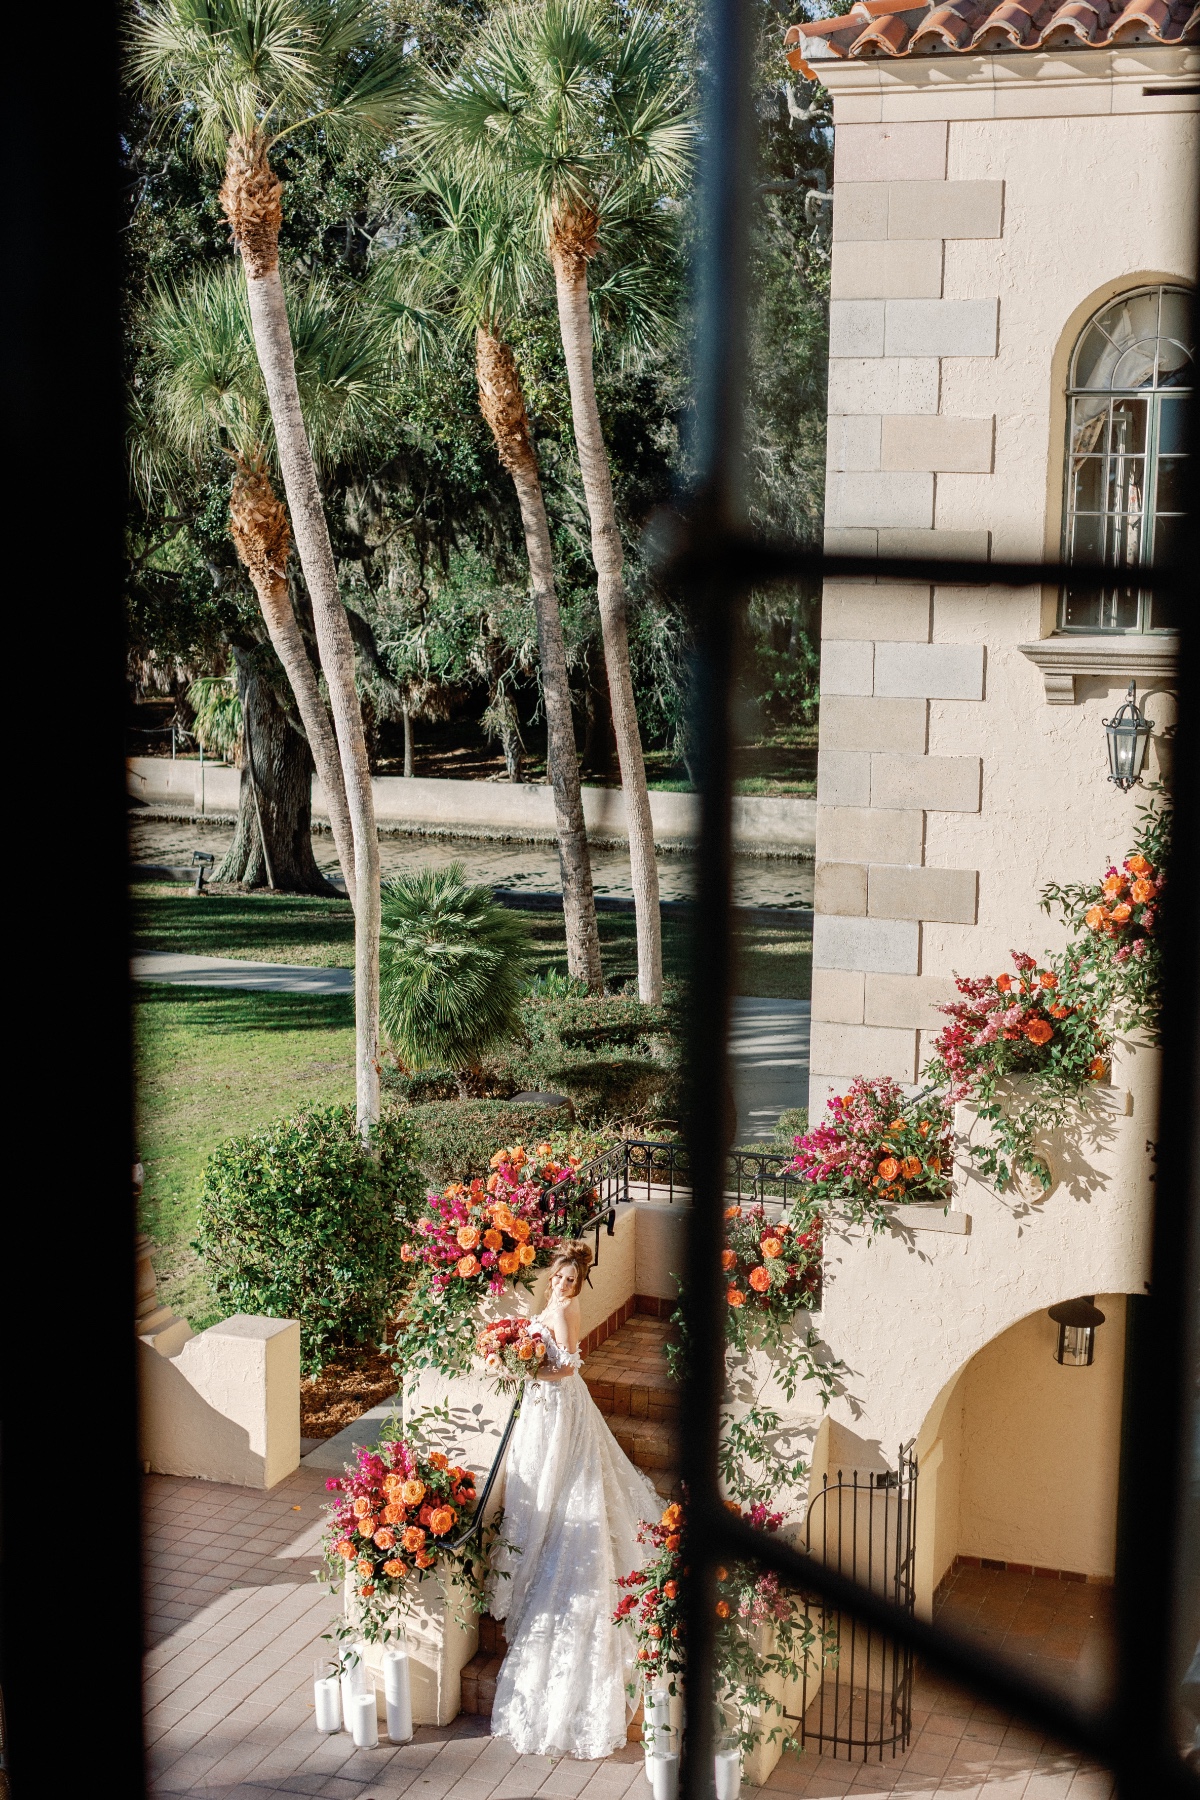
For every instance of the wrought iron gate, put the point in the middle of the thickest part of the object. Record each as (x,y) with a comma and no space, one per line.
(856,1689)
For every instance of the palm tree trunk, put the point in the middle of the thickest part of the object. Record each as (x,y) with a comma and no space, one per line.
(251,199)
(262,537)
(409,758)
(503,406)
(575,329)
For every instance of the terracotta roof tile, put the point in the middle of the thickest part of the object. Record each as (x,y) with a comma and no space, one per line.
(900,28)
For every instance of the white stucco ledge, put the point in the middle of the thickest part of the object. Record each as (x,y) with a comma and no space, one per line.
(1150,659)
(223,1405)
(918,1217)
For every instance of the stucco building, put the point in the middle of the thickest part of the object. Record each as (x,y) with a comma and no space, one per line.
(1010,356)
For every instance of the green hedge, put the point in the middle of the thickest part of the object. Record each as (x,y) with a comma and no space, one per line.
(457,1137)
(613,1057)
(298,1221)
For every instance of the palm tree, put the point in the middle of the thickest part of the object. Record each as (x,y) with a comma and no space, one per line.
(208,394)
(453,965)
(581,120)
(236,78)
(471,268)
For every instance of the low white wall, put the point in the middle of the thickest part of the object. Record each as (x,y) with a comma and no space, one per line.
(224,1405)
(524,809)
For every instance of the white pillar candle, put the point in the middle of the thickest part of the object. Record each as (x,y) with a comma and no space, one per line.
(364,1721)
(354,1677)
(328,1702)
(397,1692)
(728,1774)
(663,1773)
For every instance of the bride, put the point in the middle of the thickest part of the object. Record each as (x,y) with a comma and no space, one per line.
(572,1505)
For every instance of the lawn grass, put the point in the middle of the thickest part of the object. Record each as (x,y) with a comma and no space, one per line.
(774,962)
(212,1063)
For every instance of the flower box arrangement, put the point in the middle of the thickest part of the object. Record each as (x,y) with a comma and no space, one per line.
(1116,964)
(875,1147)
(1012,1028)
(511,1351)
(398,1512)
(763,1632)
(773,1271)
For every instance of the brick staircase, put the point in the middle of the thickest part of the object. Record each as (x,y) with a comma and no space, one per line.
(627,1378)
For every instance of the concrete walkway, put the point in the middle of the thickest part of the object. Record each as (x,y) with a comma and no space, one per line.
(768,1044)
(235,1620)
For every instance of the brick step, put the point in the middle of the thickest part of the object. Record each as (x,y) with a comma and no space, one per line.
(633,1399)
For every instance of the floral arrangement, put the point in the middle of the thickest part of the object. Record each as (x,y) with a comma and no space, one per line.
(1116,965)
(747,1600)
(874,1147)
(511,1351)
(1006,1027)
(391,1526)
(773,1271)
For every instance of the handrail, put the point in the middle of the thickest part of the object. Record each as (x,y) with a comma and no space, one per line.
(464,1537)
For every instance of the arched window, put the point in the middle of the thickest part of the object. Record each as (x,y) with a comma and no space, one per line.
(1130,382)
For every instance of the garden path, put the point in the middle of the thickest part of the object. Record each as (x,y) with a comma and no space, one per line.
(234,1621)
(768,1039)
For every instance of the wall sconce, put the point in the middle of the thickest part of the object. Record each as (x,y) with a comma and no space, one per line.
(1077,1321)
(1127,735)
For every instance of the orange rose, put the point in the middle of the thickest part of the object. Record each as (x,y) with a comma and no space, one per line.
(673,1516)
(525,1351)
(1121,915)
(732,1212)
(498,1161)
(889,1168)
(493,1182)
(1048,979)
(503,1217)
(528,1255)
(722,1609)
(395,1568)
(543,1149)
(367,1589)
(727,1259)
(362,1507)
(365,1570)
(468,1236)
(367,1526)
(519,1156)
(1141,891)
(385,1537)
(1137,865)
(1095,918)
(654,1631)
(520,1230)
(910,1168)
(407,1253)
(736,1297)
(392,1483)
(1039,1031)
(509,1262)
(412,1492)
(1097,1068)
(467,1266)
(413,1538)
(393,1514)
(760,1281)
(673,1541)
(423,1559)
(722,1573)
(441,1519)
(1112,886)
(1004,983)
(670,1589)
(896,1125)
(345,1549)
(772,1246)
(1059,1012)
(492,1240)
(923,1128)
(438,1459)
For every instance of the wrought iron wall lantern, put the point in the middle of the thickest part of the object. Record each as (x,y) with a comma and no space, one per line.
(1077,1321)
(1127,735)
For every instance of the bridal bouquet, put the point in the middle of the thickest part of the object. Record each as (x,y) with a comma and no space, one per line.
(392,1524)
(510,1351)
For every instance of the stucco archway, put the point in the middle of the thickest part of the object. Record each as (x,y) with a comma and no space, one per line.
(1019,1457)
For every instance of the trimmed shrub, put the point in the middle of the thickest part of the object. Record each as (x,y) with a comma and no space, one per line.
(457,1137)
(613,1057)
(300,1221)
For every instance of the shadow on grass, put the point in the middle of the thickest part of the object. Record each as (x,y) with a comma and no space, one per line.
(222,1012)
(216,924)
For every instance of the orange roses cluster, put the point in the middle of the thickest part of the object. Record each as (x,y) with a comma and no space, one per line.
(488,1231)
(770,1264)
(395,1511)
(511,1351)
(1135,884)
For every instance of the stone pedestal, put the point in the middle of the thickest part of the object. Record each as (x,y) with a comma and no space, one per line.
(441,1628)
(224,1405)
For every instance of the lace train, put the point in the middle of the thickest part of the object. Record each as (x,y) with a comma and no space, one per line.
(572,1505)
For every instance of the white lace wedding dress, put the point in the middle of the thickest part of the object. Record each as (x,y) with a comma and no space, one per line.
(572,1505)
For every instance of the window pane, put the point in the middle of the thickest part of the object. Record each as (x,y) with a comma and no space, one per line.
(1081,609)
(1128,433)
(1094,347)
(1136,366)
(1172,423)
(1169,497)
(1174,361)
(1087,538)
(1168,540)
(1089,484)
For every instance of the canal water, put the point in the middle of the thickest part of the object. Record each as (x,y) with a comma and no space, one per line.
(758,881)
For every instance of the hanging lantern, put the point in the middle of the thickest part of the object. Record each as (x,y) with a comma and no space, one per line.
(1127,735)
(1077,1321)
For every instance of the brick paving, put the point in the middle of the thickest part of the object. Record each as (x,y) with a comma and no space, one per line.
(1061,1625)
(235,1622)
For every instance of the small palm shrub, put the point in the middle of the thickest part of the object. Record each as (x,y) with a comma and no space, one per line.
(451,968)
(301,1221)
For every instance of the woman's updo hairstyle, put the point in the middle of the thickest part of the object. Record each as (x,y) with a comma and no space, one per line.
(573,1254)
